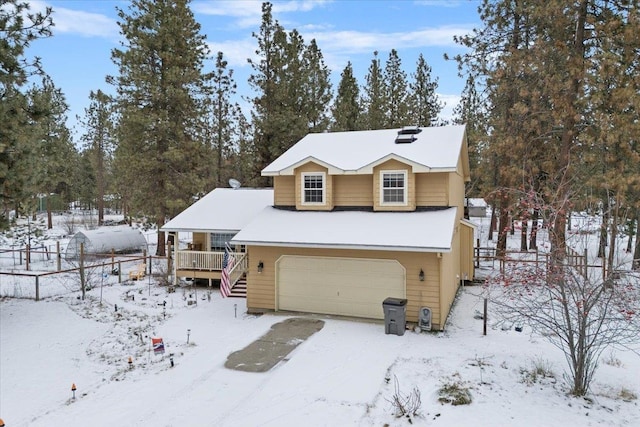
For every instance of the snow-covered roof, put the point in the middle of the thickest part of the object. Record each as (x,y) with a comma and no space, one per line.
(222,210)
(434,149)
(428,231)
(476,202)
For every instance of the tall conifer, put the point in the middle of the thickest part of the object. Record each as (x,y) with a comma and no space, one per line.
(346,107)
(160,86)
(373,97)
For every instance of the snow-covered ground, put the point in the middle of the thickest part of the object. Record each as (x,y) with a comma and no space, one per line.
(346,374)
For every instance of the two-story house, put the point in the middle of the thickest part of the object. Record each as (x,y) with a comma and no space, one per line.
(361,216)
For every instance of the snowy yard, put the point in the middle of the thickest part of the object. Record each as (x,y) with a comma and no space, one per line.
(345,374)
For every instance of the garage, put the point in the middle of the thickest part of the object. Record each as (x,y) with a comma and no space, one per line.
(342,286)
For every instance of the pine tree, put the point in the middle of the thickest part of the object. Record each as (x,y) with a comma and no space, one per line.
(19,27)
(346,108)
(424,104)
(373,97)
(395,93)
(472,113)
(99,142)
(549,83)
(317,89)
(269,116)
(55,146)
(160,86)
(224,118)
(293,90)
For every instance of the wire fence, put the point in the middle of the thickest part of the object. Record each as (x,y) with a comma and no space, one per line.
(53,278)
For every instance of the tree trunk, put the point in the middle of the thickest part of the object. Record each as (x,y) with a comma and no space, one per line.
(613,235)
(49,217)
(603,227)
(533,241)
(492,223)
(523,236)
(567,140)
(630,227)
(503,228)
(161,250)
(101,184)
(636,253)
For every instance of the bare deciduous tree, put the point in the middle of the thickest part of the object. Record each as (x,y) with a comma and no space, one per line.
(582,316)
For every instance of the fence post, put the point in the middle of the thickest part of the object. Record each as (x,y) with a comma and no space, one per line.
(484,318)
(28,256)
(112,257)
(58,256)
(37,288)
(119,272)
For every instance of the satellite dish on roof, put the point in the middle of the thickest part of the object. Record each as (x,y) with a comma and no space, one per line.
(234,183)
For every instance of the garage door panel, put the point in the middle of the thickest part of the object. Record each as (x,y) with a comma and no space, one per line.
(343,286)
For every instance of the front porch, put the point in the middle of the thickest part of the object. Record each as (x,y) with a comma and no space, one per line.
(189,264)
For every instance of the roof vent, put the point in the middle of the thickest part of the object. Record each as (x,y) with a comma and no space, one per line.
(406,135)
(410,130)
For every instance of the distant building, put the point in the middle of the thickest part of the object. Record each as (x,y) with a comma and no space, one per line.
(477,208)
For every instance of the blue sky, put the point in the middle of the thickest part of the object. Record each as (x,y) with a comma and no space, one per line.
(78,55)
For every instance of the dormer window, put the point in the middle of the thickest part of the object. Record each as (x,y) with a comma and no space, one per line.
(393,187)
(313,188)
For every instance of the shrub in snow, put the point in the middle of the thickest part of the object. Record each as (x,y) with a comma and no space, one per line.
(405,405)
(454,392)
(539,371)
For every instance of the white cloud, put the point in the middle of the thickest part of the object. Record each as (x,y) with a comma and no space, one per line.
(235,52)
(359,42)
(248,13)
(450,102)
(79,22)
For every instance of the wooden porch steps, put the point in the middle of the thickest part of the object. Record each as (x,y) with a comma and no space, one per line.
(239,290)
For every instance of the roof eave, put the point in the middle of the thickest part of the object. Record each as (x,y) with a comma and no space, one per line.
(343,246)
(290,170)
(198,230)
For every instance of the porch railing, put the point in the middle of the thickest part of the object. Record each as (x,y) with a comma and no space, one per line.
(238,269)
(209,261)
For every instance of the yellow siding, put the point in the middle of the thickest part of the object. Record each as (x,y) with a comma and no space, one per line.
(449,283)
(313,167)
(284,188)
(450,279)
(261,291)
(431,189)
(467,268)
(200,242)
(456,190)
(394,165)
(353,190)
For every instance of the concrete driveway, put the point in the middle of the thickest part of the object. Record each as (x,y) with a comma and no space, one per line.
(274,346)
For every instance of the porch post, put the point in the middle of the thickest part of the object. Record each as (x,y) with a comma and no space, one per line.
(176,245)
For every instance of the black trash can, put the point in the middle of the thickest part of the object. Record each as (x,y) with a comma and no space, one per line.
(395,315)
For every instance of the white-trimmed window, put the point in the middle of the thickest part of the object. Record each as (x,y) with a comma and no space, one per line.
(313,188)
(393,187)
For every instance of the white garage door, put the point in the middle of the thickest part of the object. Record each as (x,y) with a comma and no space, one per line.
(343,286)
